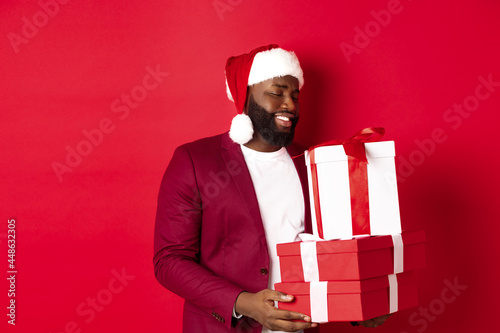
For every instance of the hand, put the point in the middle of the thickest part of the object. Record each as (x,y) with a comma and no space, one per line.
(374,322)
(260,306)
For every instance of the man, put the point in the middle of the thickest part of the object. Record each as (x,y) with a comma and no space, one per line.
(226,201)
(212,233)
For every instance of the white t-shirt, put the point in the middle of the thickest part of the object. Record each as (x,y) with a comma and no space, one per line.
(281,201)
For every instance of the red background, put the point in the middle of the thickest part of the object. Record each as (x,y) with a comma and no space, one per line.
(74,232)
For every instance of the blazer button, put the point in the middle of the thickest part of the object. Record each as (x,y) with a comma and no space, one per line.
(263,271)
(218,317)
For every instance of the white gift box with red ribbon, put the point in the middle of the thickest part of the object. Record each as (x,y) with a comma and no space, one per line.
(349,196)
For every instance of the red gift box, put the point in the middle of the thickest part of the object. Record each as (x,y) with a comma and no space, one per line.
(353,259)
(352,300)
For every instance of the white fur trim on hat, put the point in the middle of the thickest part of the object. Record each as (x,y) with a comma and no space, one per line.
(241,129)
(275,63)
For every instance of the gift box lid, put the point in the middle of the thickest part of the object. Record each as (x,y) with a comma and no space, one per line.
(336,153)
(359,244)
(345,287)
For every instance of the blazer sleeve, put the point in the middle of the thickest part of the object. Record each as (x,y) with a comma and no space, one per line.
(177,243)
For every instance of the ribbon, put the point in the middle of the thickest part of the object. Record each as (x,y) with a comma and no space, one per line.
(397,242)
(308,255)
(319,301)
(305,237)
(358,178)
(393,293)
(315,189)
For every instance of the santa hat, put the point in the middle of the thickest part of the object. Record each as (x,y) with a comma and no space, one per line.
(259,65)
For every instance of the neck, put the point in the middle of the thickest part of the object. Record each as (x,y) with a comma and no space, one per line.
(258,143)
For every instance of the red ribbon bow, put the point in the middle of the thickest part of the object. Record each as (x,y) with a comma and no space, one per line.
(358,178)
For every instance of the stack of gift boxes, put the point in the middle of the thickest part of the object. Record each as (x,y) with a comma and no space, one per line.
(358,264)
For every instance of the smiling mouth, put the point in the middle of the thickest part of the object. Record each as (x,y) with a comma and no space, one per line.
(285,121)
(283,118)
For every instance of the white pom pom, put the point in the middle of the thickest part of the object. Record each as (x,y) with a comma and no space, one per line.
(241,129)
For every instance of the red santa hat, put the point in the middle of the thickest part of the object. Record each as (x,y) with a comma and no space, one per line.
(259,65)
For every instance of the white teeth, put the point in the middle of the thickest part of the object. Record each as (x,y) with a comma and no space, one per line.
(283,118)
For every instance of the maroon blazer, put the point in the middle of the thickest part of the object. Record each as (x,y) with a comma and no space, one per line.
(209,242)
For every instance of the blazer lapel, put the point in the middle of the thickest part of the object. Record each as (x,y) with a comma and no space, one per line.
(298,158)
(231,153)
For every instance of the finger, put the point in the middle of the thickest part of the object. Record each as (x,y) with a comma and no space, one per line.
(374,322)
(291,315)
(380,320)
(279,296)
(384,317)
(367,323)
(291,326)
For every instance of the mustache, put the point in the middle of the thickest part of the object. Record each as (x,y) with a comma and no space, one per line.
(284,112)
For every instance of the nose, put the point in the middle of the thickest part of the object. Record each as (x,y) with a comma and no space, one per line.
(289,104)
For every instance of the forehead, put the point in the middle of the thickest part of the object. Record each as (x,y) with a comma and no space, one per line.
(285,82)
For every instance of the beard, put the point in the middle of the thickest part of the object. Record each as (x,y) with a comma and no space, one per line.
(264,124)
